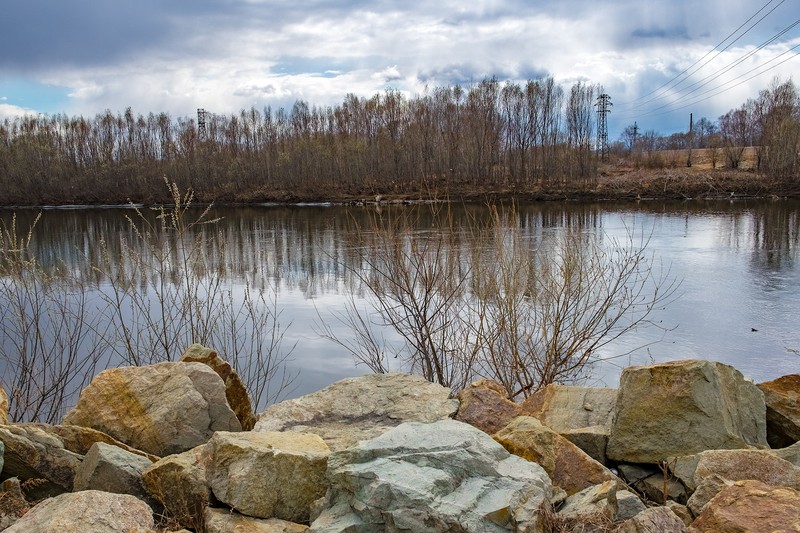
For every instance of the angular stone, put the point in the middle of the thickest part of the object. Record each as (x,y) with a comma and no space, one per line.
(3,407)
(111,469)
(360,408)
(565,407)
(443,476)
(178,482)
(735,465)
(483,404)
(681,511)
(593,440)
(161,409)
(782,397)
(13,504)
(649,481)
(227,521)
(32,452)
(628,505)
(654,520)
(597,500)
(235,390)
(705,492)
(268,474)
(684,407)
(790,453)
(750,506)
(566,464)
(80,439)
(87,511)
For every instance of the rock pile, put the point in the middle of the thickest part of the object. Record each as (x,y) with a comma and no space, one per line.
(681,446)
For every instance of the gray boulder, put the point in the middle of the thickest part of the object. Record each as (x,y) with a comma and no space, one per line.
(628,505)
(598,500)
(360,408)
(438,477)
(684,407)
(112,469)
(790,453)
(88,511)
(161,409)
(654,520)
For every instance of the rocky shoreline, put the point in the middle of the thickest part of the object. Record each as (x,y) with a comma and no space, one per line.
(681,446)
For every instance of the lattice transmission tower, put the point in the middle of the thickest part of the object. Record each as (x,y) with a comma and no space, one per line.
(201,123)
(603,109)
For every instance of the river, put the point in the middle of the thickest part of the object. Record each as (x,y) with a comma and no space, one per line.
(737,264)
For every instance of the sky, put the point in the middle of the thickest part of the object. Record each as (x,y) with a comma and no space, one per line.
(659,61)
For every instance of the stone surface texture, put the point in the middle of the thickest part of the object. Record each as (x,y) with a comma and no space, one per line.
(782,397)
(3,407)
(751,506)
(439,477)
(268,474)
(483,404)
(227,521)
(235,389)
(790,453)
(111,469)
(596,500)
(161,409)
(684,407)
(566,464)
(80,439)
(88,511)
(628,505)
(360,408)
(654,520)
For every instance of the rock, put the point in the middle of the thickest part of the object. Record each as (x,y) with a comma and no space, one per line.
(483,404)
(654,520)
(3,407)
(31,452)
(581,414)
(681,511)
(649,481)
(592,501)
(235,389)
(360,408)
(736,465)
(782,397)
(437,477)
(751,506)
(112,469)
(227,521)
(178,482)
(86,511)
(628,505)
(80,439)
(705,492)
(566,464)
(161,409)
(13,504)
(790,453)
(267,474)
(684,407)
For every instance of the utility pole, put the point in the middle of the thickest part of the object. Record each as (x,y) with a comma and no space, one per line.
(635,133)
(603,109)
(690,140)
(201,123)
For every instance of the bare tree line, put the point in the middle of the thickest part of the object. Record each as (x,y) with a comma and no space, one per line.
(487,135)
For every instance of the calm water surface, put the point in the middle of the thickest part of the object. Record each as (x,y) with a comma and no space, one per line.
(738,264)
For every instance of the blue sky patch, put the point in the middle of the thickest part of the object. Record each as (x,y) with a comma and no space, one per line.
(32,95)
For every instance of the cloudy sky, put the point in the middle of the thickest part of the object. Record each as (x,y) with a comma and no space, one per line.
(81,57)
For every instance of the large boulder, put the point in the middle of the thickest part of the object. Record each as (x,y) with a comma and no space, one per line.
(80,439)
(684,407)
(32,452)
(162,409)
(735,465)
(227,521)
(483,404)
(566,464)
(267,474)
(235,390)
(360,408)
(782,397)
(438,477)
(88,511)
(178,482)
(581,414)
(750,506)
(112,469)
(654,520)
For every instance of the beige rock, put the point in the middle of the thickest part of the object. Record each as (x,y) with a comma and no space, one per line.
(268,474)
(80,439)
(32,452)
(360,408)
(735,465)
(227,521)
(88,511)
(161,409)
(3,407)
(751,507)
(111,469)
(705,492)
(178,482)
(790,453)
(235,390)
(684,407)
(483,405)
(593,440)
(782,397)
(681,511)
(568,466)
(599,499)
(654,520)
